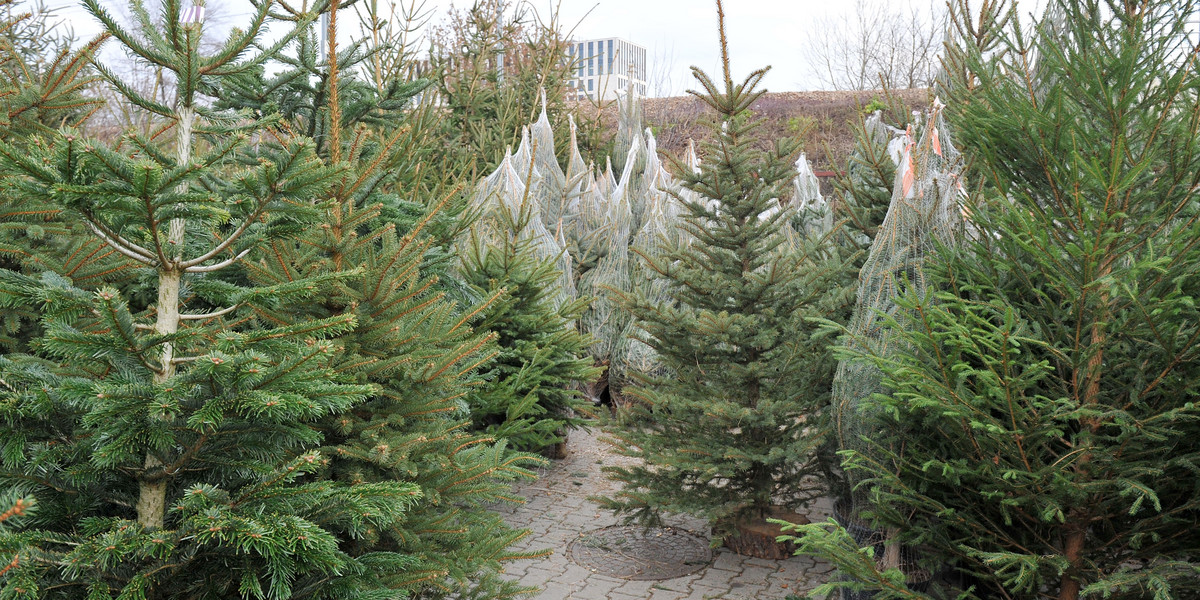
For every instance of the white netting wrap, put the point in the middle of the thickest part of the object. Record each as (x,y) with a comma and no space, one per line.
(552,193)
(924,212)
(593,225)
(813,213)
(509,214)
(659,232)
(629,125)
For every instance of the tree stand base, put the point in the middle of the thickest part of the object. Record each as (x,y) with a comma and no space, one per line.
(757,538)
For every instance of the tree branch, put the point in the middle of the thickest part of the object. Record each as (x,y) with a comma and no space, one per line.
(210,315)
(218,266)
(122,245)
(223,245)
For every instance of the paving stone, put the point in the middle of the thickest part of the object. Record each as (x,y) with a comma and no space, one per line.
(718,577)
(555,591)
(667,594)
(598,586)
(542,574)
(707,593)
(637,588)
(746,589)
(756,573)
(557,512)
(728,561)
(616,595)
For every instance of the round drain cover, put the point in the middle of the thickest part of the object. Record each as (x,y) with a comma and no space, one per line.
(640,553)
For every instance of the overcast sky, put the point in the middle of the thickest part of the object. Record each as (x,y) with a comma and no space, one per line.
(676,33)
(680,33)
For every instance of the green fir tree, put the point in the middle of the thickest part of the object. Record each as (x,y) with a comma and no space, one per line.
(170,443)
(533,395)
(417,347)
(42,87)
(732,426)
(1044,392)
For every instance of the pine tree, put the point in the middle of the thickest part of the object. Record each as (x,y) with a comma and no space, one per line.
(732,429)
(1046,392)
(42,84)
(533,396)
(170,445)
(414,344)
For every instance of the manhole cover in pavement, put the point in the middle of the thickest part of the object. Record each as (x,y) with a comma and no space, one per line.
(640,553)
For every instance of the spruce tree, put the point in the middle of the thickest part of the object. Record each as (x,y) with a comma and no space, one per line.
(42,87)
(731,429)
(1046,392)
(414,344)
(170,445)
(533,397)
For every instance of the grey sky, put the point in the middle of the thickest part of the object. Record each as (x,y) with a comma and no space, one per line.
(680,33)
(676,33)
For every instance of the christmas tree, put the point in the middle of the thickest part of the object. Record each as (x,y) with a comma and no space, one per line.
(42,85)
(730,430)
(534,396)
(417,347)
(1045,390)
(170,444)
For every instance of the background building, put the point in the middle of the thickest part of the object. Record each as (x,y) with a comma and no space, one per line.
(606,66)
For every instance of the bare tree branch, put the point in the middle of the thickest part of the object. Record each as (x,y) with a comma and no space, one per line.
(219,248)
(877,44)
(218,266)
(201,317)
(122,245)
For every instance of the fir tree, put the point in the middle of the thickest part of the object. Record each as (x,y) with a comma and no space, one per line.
(494,65)
(42,84)
(170,447)
(43,79)
(410,341)
(731,429)
(865,190)
(533,395)
(1045,394)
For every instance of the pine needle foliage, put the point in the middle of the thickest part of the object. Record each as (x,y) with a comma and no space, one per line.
(420,352)
(1046,395)
(495,65)
(733,429)
(43,78)
(410,342)
(533,397)
(864,192)
(42,87)
(172,446)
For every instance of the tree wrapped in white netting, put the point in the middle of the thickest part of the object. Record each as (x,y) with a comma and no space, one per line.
(605,320)
(812,212)
(630,123)
(659,232)
(509,213)
(552,193)
(924,213)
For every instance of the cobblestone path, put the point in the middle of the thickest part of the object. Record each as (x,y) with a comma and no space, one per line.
(557,512)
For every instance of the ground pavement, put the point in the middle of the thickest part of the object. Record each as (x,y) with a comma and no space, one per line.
(557,512)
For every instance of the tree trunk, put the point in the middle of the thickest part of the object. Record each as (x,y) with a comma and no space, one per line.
(1068,588)
(152,485)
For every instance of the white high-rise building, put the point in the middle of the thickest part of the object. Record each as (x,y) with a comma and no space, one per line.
(606,66)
